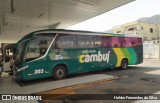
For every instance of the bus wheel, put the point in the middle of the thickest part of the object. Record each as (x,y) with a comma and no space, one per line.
(59,72)
(124,64)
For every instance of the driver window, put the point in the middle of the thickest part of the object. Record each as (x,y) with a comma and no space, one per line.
(43,46)
(33,51)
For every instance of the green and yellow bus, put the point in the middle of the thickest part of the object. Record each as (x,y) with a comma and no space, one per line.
(57,53)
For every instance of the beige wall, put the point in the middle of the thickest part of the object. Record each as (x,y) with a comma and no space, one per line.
(159,31)
(124,28)
(145,32)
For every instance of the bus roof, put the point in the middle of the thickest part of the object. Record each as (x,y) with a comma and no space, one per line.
(82,32)
(30,35)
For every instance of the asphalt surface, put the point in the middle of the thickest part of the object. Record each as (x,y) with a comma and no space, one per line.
(139,79)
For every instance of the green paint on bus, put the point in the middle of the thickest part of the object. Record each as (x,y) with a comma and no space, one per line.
(51,53)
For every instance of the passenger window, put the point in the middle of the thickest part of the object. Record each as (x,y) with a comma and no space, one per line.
(98,41)
(33,51)
(128,41)
(134,42)
(107,42)
(85,41)
(115,45)
(122,42)
(115,42)
(44,44)
(66,41)
(139,41)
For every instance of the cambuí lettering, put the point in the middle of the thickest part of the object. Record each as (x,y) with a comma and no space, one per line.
(94,57)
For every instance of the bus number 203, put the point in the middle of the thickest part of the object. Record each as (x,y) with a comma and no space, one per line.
(38,71)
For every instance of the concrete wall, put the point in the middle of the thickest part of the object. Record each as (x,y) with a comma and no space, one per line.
(151,50)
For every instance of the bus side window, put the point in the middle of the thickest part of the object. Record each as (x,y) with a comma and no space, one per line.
(115,45)
(122,42)
(43,47)
(85,41)
(65,41)
(106,42)
(33,51)
(98,41)
(128,42)
(131,42)
(139,40)
(134,42)
(115,42)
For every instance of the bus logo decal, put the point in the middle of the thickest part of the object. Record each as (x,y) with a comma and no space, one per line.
(58,57)
(94,57)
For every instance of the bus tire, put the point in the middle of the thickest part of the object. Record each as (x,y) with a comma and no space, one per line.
(59,72)
(124,64)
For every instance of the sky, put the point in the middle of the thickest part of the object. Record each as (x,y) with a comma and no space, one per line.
(121,15)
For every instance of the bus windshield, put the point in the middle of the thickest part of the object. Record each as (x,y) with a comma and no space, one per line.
(20,52)
(38,47)
(31,49)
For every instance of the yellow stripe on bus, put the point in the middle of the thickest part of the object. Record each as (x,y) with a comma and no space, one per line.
(120,56)
(107,35)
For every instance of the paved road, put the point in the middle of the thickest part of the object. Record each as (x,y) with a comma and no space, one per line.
(139,79)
